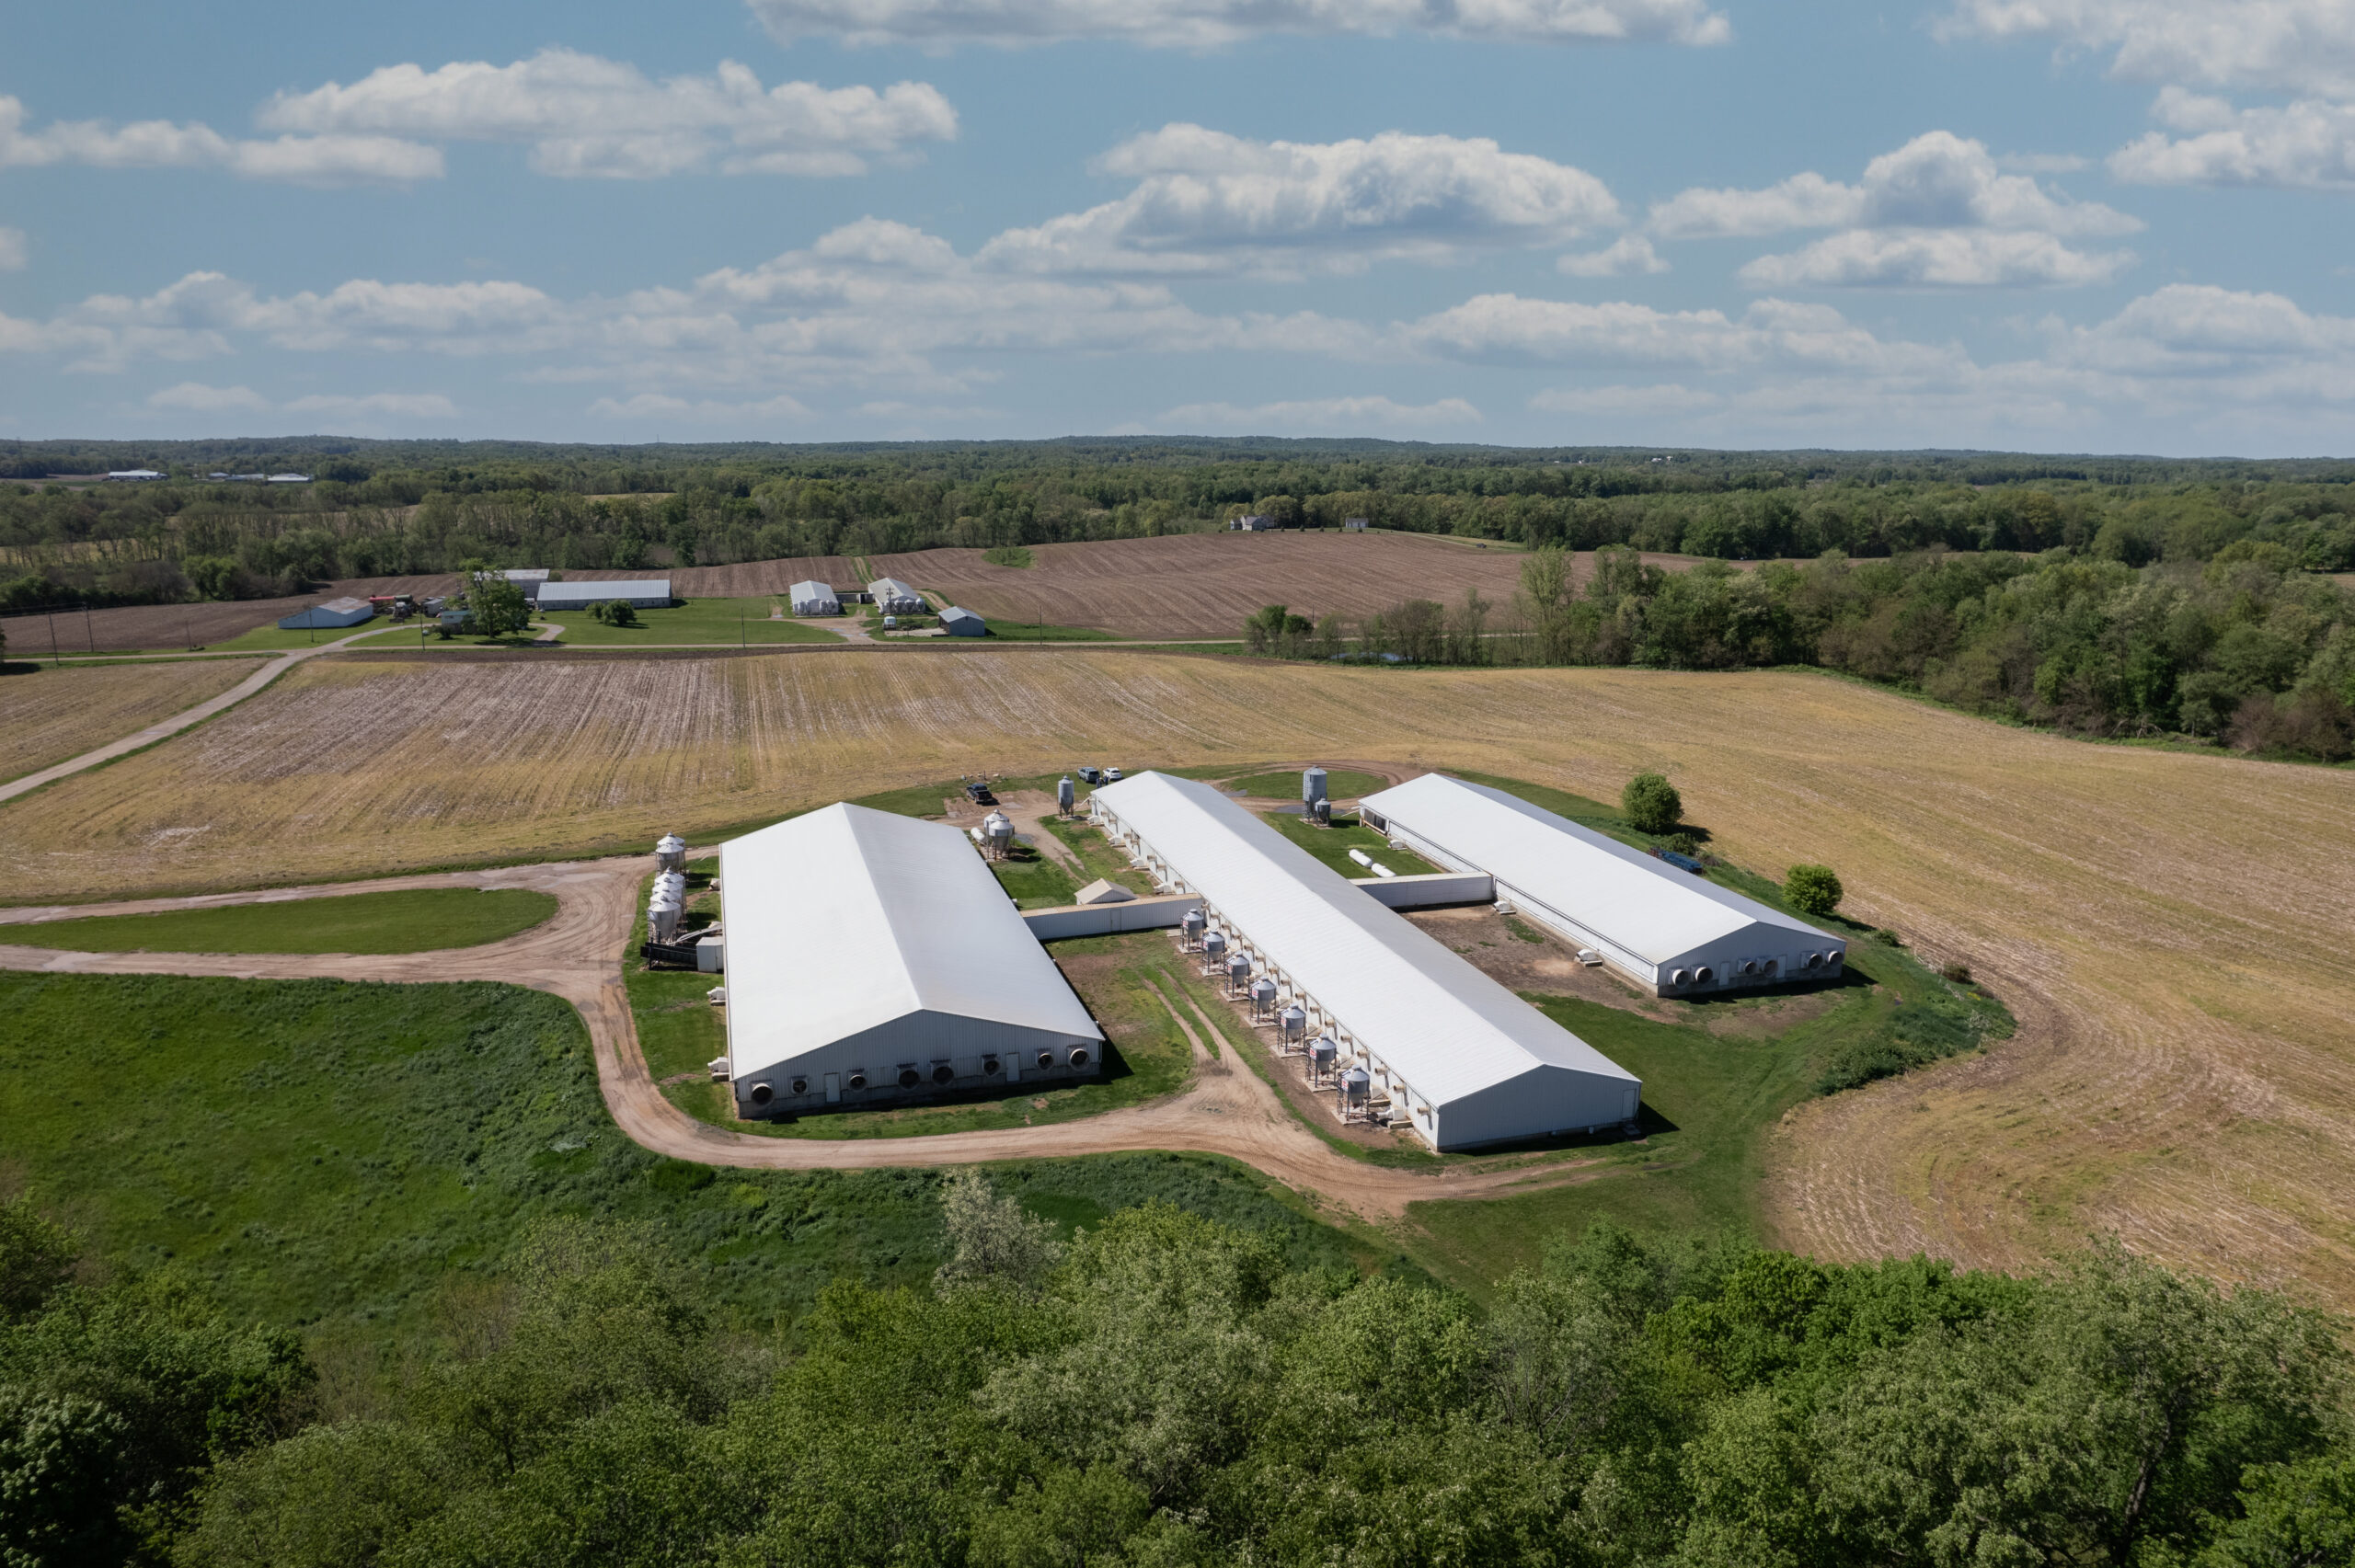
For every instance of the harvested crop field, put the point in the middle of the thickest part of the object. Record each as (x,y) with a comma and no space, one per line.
(2169,928)
(1204,585)
(48,714)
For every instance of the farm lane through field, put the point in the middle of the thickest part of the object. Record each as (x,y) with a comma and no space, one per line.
(576,955)
(52,715)
(2168,927)
(162,728)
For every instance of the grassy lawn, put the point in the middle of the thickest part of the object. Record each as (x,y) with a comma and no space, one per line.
(1096,854)
(714,620)
(418,920)
(1332,846)
(1341,785)
(1033,881)
(271,638)
(1709,1100)
(1147,1057)
(331,1156)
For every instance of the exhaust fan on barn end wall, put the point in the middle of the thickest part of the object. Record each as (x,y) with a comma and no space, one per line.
(1678,976)
(1079,1056)
(989,1066)
(858,1080)
(801,1086)
(1703,975)
(910,1078)
(942,1072)
(1046,1059)
(762,1094)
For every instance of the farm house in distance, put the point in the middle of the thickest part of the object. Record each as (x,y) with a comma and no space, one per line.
(642,593)
(1667,930)
(814,598)
(873,959)
(1457,1057)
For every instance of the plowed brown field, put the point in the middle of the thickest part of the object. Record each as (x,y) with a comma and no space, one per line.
(1202,585)
(47,715)
(2171,929)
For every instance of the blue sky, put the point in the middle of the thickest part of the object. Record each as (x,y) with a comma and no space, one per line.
(2038,224)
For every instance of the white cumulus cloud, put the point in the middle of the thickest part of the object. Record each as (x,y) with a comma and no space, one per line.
(14,252)
(404,404)
(1934,258)
(2298,46)
(1623,257)
(1313,414)
(1206,201)
(1664,400)
(162,145)
(662,409)
(1938,212)
(586,116)
(2304,145)
(196,397)
(1207,24)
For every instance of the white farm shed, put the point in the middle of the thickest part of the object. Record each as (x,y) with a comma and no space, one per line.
(1461,1059)
(815,599)
(874,959)
(643,593)
(956,622)
(1671,931)
(893,597)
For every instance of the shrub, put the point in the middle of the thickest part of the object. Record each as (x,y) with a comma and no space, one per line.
(1813,889)
(1959,973)
(1651,804)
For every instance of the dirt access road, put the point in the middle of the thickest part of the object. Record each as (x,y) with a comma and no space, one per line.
(576,955)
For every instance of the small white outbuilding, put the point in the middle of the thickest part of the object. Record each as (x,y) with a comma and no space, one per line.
(1671,931)
(814,598)
(874,959)
(958,623)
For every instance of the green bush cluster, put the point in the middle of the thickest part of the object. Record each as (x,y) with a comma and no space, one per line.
(1650,803)
(1163,1390)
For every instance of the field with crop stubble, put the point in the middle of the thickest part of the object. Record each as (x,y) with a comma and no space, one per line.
(2168,928)
(47,715)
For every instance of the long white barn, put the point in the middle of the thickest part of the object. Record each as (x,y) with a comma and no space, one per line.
(1472,1062)
(873,958)
(1667,930)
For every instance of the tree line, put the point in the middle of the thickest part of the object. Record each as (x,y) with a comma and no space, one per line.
(402,508)
(2244,648)
(1162,1389)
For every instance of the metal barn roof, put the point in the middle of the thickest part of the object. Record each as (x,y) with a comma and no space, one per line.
(848,918)
(1439,1023)
(891,588)
(571,595)
(1644,905)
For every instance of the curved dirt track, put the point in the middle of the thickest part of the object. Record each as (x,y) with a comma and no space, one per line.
(576,955)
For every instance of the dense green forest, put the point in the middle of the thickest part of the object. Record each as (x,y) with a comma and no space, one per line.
(395,507)
(1165,1390)
(2244,647)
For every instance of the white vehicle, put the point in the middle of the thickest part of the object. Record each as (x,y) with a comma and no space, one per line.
(1111,775)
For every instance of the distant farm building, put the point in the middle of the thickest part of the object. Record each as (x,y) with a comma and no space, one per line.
(895,598)
(1255,523)
(334,612)
(136,475)
(815,599)
(531,579)
(1418,1036)
(289,479)
(1354,524)
(874,959)
(640,593)
(1671,931)
(963,624)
